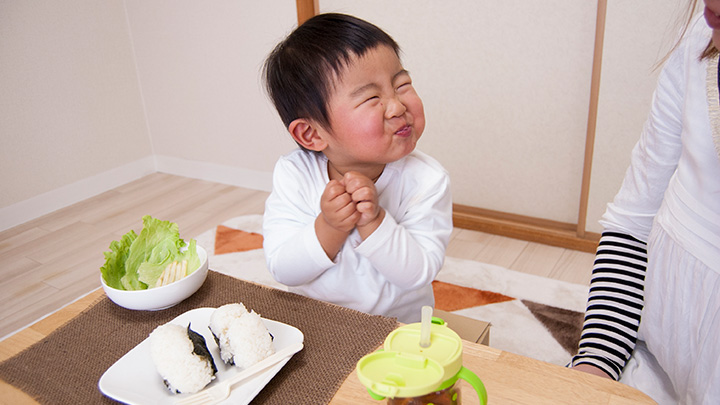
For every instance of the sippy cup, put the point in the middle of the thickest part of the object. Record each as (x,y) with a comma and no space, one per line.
(418,364)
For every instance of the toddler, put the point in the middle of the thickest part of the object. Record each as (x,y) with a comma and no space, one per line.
(357,216)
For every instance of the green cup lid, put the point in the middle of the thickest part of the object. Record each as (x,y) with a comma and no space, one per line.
(394,374)
(445,346)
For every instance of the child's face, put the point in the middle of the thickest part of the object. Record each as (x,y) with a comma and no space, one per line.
(375,115)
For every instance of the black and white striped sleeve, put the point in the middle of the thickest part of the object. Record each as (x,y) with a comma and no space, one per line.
(615,303)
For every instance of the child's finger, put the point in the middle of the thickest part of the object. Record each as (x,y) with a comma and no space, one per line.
(364,194)
(342,200)
(364,207)
(343,218)
(334,188)
(355,181)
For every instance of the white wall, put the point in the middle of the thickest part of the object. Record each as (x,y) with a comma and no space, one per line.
(199,68)
(69,95)
(95,94)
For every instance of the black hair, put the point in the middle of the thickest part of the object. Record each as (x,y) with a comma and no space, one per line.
(299,72)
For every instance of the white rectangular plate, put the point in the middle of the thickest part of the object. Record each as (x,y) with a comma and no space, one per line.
(134,380)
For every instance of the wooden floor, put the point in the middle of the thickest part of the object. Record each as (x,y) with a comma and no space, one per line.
(48,262)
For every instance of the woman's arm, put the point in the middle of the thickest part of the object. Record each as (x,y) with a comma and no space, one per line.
(615,303)
(616,299)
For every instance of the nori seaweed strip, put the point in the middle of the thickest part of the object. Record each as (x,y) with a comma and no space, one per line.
(200,347)
(217,339)
(230,361)
(170,388)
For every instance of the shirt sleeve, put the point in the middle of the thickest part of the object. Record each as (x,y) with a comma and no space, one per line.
(293,253)
(655,156)
(616,295)
(615,303)
(408,249)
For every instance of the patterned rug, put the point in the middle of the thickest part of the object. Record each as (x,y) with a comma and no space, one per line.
(532,316)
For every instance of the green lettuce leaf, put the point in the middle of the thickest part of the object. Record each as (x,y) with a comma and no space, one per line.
(150,271)
(114,268)
(148,254)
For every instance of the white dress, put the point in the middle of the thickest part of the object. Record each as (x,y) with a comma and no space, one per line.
(670,197)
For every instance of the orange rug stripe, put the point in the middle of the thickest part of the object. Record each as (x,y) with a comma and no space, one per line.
(229,240)
(451,297)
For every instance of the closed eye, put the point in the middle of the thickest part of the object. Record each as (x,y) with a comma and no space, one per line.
(402,80)
(370,99)
(404,87)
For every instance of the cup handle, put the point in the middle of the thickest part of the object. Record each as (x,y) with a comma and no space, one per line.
(475,382)
(375,396)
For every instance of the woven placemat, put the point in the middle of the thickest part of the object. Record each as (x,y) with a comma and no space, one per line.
(66,366)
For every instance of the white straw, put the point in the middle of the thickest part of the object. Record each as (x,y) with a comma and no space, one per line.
(425,325)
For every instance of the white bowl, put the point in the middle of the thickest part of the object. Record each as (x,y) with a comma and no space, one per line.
(154,299)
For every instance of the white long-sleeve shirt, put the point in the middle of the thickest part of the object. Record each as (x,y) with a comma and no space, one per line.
(675,170)
(391,271)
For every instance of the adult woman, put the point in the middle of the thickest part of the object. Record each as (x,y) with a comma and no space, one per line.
(659,257)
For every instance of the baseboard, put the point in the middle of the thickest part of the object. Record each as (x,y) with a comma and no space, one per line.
(499,223)
(62,197)
(531,229)
(235,176)
(54,200)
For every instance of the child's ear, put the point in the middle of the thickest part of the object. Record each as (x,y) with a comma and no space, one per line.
(307,134)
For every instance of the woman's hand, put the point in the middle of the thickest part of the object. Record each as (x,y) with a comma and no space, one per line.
(587,368)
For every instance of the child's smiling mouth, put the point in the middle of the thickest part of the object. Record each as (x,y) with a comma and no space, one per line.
(404,131)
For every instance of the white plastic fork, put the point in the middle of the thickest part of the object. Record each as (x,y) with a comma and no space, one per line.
(220,392)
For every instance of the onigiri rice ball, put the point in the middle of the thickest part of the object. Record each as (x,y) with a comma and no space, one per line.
(182,358)
(241,336)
